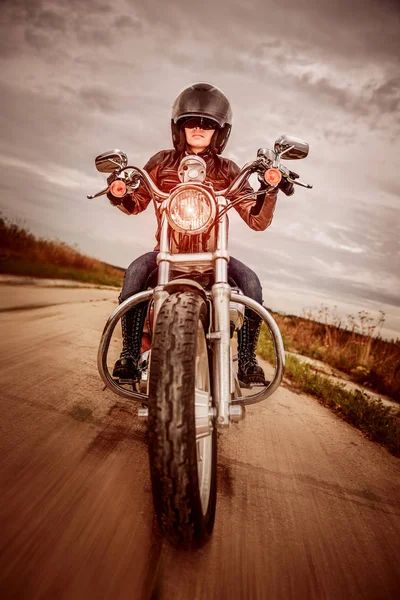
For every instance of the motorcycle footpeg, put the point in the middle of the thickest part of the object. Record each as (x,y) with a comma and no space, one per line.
(256,383)
(125,381)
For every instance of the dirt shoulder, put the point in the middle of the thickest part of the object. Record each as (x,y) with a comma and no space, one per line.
(47,282)
(341,378)
(26,294)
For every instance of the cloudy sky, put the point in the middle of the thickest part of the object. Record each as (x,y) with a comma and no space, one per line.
(79,78)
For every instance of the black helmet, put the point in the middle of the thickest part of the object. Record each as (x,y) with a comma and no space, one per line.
(202,100)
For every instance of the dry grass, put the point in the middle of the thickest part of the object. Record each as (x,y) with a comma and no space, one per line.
(23,253)
(378,422)
(353,346)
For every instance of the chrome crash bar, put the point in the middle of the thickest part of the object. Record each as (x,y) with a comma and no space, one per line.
(105,344)
(268,319)
(133,301)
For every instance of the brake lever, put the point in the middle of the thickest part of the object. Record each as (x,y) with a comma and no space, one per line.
(293,177)
(300,183)
(102,193)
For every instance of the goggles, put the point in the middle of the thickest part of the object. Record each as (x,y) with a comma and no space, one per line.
(200,122)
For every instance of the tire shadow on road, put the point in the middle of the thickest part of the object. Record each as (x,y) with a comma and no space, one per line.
(120,425)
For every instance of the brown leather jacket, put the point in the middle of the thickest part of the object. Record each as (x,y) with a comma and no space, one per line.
(257,212)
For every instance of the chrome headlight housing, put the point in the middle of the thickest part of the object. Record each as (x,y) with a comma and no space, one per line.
(191,209)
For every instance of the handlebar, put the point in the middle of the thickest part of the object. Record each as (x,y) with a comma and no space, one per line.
(255,166)
(242,176)
(292,177)
(300,183)
(102,193)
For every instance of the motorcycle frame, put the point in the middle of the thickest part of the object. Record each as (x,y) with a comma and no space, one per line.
(229,407)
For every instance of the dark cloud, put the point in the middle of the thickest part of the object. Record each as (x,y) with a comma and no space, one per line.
(363,101)
(97,98)
(351,291)
(354,30)
(91,36)
(48,19)
(127,22)
(43,25)
(350,30)
(32,14)
(342,97)
(7,47)
(37,39)
(387,96)
(19,11)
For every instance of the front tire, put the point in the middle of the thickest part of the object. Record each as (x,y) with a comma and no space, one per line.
(183,464)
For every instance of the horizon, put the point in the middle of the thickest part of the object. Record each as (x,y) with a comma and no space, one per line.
(331,316)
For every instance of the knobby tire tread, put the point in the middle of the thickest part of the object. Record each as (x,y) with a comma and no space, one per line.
(172,434)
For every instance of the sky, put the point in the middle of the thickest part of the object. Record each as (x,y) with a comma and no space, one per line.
(80,78)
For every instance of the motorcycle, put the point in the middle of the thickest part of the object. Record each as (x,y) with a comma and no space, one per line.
(189,387)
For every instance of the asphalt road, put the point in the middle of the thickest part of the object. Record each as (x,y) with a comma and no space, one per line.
(307,507)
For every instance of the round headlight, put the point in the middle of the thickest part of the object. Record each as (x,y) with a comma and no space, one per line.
(191,209)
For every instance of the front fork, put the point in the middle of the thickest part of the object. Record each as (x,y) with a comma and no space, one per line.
(222,365)
(221,334)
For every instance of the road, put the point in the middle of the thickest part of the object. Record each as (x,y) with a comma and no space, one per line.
(308,508)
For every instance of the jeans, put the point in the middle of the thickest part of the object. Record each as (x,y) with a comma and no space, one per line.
(139,271)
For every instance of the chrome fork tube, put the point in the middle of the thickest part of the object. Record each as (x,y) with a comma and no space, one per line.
(221,294)
(163,268)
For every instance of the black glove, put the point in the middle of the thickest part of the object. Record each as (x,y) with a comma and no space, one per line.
(113,200)
(127,201)
(286,186)
(263,184)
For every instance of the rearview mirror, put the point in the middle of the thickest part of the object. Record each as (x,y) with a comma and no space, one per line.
(111,161)
(290,148)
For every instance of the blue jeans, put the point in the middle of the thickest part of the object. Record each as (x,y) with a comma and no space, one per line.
(139,271)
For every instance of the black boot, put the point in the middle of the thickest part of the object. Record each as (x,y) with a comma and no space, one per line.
(127,366)
(249,373)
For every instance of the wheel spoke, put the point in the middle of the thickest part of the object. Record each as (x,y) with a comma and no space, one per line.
(202,412)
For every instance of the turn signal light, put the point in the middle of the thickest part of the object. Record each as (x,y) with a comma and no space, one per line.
(118,188)
(273,176)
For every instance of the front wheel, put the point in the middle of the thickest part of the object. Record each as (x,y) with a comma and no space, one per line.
(182,435)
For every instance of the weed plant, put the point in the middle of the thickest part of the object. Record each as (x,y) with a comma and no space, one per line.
(353,345)
(22,253)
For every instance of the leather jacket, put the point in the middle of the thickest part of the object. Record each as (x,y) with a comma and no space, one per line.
(256,211)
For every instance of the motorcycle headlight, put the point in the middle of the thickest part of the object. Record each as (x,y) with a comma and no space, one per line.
(191,209)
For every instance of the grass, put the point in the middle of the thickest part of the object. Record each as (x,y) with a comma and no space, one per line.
(22,253)
(353,346)
(378,422)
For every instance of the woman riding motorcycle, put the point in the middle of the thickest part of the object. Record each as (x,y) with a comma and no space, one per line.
(201,124)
